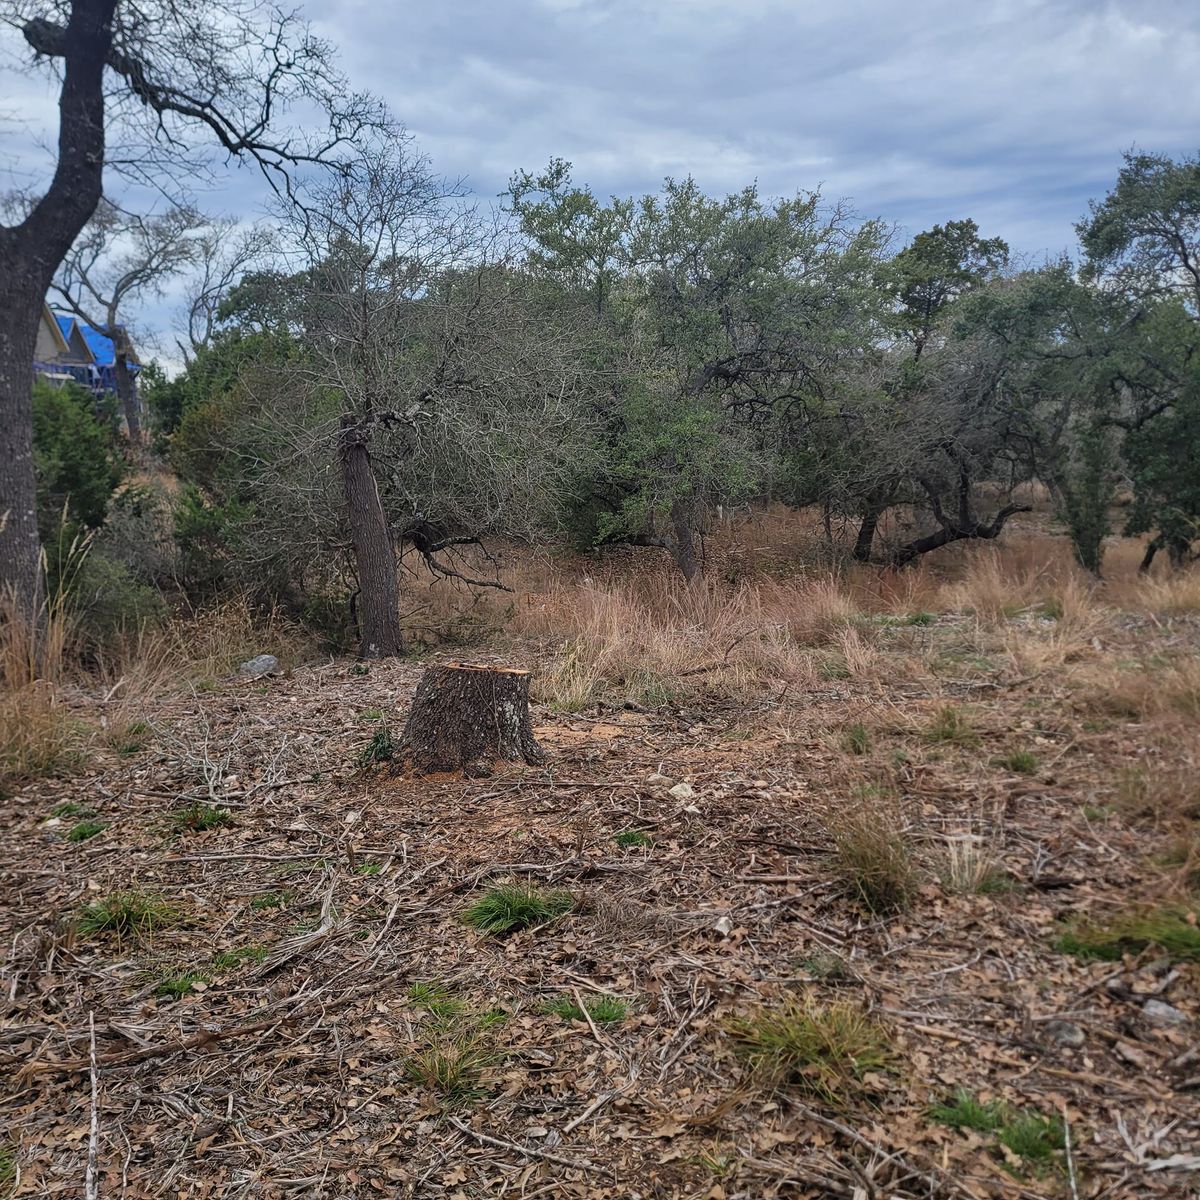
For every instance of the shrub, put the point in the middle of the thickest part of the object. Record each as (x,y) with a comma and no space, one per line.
(516,907)
(823,1050)
(131,914)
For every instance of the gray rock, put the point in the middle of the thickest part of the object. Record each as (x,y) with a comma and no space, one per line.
(1065,1033)
(1159,1013)
(261,664)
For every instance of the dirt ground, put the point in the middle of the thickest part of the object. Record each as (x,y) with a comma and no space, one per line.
(297,1064)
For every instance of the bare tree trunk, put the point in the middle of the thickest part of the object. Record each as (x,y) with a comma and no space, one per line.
(127,391)
(683,544)
(29,255)
(20,548)
(466,717)
(374,552)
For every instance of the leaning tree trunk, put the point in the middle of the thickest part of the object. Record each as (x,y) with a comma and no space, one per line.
(466,717)
(374,552)
(30,253)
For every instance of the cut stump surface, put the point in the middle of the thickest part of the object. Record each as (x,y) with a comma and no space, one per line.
(466,717)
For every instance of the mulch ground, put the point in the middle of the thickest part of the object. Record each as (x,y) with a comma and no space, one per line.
(289,1072)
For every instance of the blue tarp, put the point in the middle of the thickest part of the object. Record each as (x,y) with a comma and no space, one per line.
(100,346)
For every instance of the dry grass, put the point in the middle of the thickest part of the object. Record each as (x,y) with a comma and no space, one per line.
(872,854)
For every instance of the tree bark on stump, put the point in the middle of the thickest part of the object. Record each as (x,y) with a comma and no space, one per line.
(466,717)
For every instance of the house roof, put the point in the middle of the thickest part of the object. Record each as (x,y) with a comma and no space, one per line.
(50,320)
(100,346)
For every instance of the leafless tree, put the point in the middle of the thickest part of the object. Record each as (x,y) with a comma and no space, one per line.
(149,87)
(121,258)
(226,251)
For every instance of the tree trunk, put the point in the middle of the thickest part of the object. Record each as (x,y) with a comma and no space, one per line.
(1152,548)
(20,547)
(683,544)
(466,717)
(955,532)
(864,543)
(374,552)
(127,391)
(30,253)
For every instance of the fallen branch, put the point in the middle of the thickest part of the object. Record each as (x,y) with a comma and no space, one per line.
(528,1151)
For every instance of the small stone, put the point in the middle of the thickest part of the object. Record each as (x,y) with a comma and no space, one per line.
(683,791)
(259,665)
(664,780)
(1065,1033)
(723,925)
(1159,1013)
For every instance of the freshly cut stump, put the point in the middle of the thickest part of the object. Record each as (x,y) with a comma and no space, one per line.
(466,717)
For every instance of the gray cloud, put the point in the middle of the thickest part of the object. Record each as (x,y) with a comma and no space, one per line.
(1014,112)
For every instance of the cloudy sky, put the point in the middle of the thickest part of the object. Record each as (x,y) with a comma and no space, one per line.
(1014,112)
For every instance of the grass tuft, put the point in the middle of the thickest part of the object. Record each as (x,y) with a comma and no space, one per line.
(437,999)
(503,909)
(379,749)
(84,830)
(825,1051)
(1173,928)
(198,817)
(177,986)
(1032,1137)
(873,857)
(964,1111)
(858,739)
(951,725)
(629,838)
(132,914)
(604,1010)
(1020,762)
(453,1064)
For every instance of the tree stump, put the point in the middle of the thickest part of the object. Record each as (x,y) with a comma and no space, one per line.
(466,717)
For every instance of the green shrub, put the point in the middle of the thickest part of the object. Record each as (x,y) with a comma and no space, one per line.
(503,909)
(379,749)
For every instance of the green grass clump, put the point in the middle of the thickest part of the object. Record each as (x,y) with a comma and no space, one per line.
(379,749)
(628,838)
(503,909)
(270,900)
(920,618)
(84,830)
(951,725)
(453,1064)
(178,986)
(1021,762)
(822,1050)
(604,1010)
(68,808)
(368,868)
(858,739)
(8,1170)
(964,1111)
(437,999)
(1032,1137)
(198,817)
(1173,928)
(359,669)
(131,914)
(229,960)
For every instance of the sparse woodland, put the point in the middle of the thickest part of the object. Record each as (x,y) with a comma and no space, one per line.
(850,846)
